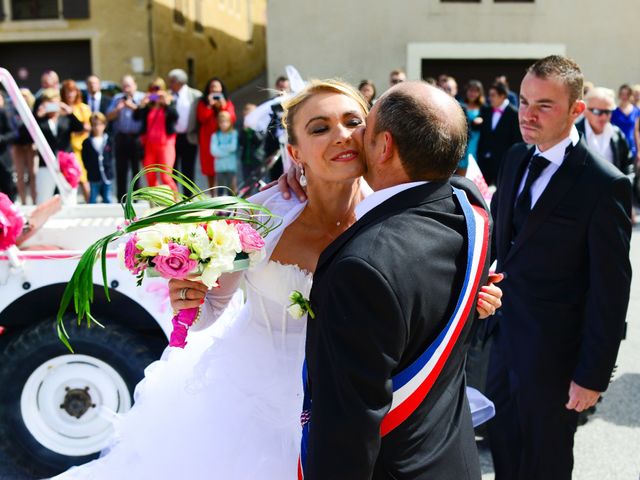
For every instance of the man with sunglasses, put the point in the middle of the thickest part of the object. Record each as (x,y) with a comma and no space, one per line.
(600,134)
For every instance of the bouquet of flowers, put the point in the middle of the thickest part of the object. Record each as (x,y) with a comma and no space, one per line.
(70,168)
(194,237)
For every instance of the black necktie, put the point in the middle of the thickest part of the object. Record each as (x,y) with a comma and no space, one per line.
(523,204)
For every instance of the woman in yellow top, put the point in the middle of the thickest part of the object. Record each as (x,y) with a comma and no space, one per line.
(71,95)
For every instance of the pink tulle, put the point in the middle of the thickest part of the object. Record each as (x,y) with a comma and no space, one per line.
(182,321)
(11,222)
(70,168)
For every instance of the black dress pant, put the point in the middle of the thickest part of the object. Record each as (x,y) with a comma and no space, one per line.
(128,154)
(185,157)
(531,436)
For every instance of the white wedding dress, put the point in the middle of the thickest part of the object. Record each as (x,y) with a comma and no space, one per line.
(227,407)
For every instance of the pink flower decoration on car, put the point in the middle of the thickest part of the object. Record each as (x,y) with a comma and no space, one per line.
(11,222)
(250,239)
(131,259)
(175,265)
(70,168)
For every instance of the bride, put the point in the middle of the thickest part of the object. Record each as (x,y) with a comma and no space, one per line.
(231,410)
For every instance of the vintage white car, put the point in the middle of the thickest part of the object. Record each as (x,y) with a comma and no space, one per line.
(56,407)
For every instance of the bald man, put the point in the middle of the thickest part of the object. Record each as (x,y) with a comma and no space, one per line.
(384,294)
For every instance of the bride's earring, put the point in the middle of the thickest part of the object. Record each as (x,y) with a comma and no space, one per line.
(303,179)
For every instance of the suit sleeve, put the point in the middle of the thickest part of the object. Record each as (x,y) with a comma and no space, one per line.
(609,237)
(361,337)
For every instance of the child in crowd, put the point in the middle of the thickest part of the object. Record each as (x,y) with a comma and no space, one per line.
(224,147)
(97,154)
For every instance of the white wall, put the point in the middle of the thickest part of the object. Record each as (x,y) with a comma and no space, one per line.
(357,39)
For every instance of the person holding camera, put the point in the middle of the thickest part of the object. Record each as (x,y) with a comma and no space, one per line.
(158,116)
(126,132)
(57,122)
(213,101)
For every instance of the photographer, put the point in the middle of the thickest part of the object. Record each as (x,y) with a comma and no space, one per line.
(158,116)
(126,131)
(57,122)
(213,101)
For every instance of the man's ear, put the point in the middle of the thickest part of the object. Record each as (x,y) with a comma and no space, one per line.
(388,146)
(578,108)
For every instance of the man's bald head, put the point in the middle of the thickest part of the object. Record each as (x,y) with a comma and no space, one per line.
(428,127)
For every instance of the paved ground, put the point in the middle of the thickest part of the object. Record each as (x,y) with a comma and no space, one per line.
(608,446)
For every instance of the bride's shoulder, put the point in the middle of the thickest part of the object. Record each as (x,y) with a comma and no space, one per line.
(273,200)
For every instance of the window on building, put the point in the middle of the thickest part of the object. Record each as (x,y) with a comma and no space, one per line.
(178,12)
(197,25)
(34,9)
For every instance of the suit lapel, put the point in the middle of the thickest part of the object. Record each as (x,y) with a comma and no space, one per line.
(427,193)
(561,181)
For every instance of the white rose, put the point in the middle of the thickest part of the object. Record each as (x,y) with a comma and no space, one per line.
(210,275)
(256,257)
(151,241)
(296,311)
(224,237)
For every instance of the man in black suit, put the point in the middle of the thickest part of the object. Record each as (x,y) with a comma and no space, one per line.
(498,133)
(562,234)
(95,99)
(383,292)
(600,134)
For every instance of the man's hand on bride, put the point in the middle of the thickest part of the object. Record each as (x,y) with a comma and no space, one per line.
(489,297)
(186,294)
(289,183)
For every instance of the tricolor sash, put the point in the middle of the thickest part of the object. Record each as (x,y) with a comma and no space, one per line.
(411,385)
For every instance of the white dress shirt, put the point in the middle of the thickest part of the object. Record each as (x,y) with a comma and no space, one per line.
(601,143)
(555,155)
(376,198)
(495,118)
(183,106)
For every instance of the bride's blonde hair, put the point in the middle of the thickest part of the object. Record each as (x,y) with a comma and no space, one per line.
(312,88)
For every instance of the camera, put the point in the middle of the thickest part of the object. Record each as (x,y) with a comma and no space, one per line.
(51,107)
(216,96)
(154,97)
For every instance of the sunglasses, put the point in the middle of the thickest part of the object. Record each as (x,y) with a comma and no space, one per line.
(600,111)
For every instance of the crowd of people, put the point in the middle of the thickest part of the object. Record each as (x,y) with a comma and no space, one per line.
(175,125)
(170,125)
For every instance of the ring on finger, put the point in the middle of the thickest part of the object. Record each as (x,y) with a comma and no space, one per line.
(183,293)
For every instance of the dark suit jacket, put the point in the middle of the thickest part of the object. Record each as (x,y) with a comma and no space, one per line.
(105,102)
(622,156)
(91,160)
(568,273)
(62,140)
(382,293)
(493,144)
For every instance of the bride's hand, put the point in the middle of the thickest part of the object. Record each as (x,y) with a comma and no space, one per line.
(186,294)
(489,297)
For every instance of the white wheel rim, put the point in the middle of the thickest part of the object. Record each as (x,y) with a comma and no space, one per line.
(52,384)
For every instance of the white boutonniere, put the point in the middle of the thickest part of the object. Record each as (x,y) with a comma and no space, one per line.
(299,305)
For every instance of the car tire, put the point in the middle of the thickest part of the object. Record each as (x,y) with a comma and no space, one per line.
(56,407)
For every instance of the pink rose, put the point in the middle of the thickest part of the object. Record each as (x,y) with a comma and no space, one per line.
(11,222)
(131,258)
(250,240)
(70,168)
(175,265)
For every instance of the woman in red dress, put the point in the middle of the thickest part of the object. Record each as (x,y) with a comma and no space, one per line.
(159,116)
(213,101)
